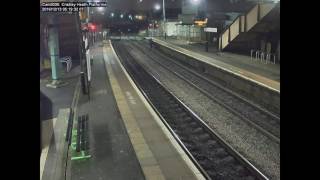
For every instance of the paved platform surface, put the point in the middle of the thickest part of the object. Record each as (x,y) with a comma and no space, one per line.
(126,140)
(112,154)
(54,153)
(158,153)
(52,102)
(56,98)
(267,74)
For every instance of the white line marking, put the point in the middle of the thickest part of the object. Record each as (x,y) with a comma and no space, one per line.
(130,97)
(173,141)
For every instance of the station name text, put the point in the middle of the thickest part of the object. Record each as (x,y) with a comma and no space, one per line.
(74,4)
(69,6)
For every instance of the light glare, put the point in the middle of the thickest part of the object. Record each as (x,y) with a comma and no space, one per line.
(157,7)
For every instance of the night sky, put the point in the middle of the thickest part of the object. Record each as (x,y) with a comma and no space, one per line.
(127,6)
(173,8)
(147,5)
(144,5)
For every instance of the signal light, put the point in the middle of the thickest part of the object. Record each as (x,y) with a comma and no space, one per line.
(93,27)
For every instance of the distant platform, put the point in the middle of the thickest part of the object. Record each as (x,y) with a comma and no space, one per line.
(265,74)
(254,80)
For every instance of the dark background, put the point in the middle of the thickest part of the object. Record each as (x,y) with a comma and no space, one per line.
(20,136)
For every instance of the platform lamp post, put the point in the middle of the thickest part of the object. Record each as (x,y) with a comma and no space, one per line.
(197,4)
(164,18)
(157,7)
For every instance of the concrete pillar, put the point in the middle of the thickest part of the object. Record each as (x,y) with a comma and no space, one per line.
(53,44)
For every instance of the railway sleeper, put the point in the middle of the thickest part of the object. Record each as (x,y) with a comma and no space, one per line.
(212,173)
(204,142)
(180,116)
(178,110)
(188,120)
(200,157)
(186,140)
(183,125)
(204,137)
(193,125)
(225,161)
(173,106)
(248,178)
(211,143)
(191,147)
(218,152)
(164,115)
(240,169)
(175,110)
(197,130)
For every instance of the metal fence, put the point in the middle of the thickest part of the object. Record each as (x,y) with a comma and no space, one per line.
(262,56)
(188,32)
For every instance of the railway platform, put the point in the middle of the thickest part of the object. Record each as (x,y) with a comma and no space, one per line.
(126,138)
(254,80)
(55,104)
(255,70)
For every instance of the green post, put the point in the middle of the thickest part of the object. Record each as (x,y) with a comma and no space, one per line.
(53,43)
(54,48)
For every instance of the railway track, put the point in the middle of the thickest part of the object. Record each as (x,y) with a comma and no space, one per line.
(259,118)
(210,153)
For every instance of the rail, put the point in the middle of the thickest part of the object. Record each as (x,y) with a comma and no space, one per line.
(198,140)
(269,126)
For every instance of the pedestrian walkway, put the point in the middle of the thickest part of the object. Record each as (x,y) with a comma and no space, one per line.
(54,150)
(159,154)
(112,155)
(127,140)
(55,104)
(268,74)
(58,98)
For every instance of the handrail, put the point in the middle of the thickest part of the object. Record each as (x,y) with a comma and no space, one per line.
(227,27)
(226,31)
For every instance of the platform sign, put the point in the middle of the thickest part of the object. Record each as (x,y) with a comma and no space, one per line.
(88,58)
(86,44)
(210,29)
